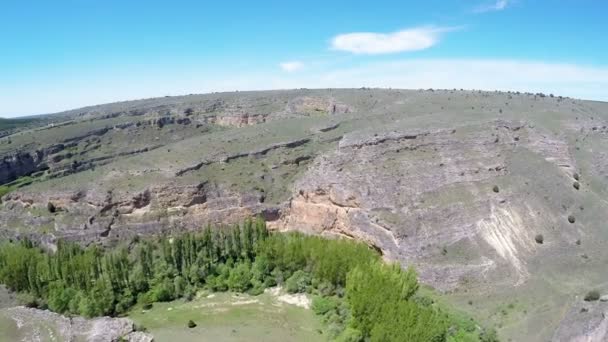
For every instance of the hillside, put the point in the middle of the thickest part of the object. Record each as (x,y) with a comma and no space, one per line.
(498,199)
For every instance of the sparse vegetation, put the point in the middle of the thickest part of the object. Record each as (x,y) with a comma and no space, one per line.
(16,184)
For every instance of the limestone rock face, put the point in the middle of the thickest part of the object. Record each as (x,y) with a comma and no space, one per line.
(19,164)
(584,322)
(414,194)
(88,217)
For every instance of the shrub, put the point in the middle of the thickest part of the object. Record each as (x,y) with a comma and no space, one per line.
(189,293)
(575,176)
(322,305)
(571,219)
(488,335)
(576,185)
(139,327)
(240,278)
(28,300)
(51,207)
(592,295)
(539,239)
(298,282)
(256,289)
(423,300)
(495,189)
(350,335)
(191,324)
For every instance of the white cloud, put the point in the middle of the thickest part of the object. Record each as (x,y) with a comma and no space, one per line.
(414,39)
(499,5)
(291,66)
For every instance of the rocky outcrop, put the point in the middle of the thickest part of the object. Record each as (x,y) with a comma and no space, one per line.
(87,216)
(584,322)
(235,119)
(226,158)
(308,105)
(37,324)
(415,194)
(169,120)
(20,164)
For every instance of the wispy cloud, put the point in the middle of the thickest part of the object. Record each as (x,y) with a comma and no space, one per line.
(414,39)
(291,66)
(498,5)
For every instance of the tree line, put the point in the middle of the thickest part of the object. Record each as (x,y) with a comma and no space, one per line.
(357,295)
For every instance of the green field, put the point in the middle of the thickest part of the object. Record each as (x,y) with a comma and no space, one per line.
(229,317)
(219,317)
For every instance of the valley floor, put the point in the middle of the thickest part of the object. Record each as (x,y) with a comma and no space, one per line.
(225,316)
(230,317)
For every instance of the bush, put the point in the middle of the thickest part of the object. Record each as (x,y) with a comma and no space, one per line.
(322,305)
(592,296)
(488,335)
(138,327)
(256,289)
(191,324)
(495,189)
(298,282)
(163,291)
(350,335)
(571,219)
(51,207)
(323,288)
(539,239)
(189,293)
(27,299)
(240,278)
(576,185)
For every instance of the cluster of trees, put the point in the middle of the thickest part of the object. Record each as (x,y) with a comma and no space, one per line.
(93,281)
(358,296)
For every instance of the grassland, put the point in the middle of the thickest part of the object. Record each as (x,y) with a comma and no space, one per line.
(229,317)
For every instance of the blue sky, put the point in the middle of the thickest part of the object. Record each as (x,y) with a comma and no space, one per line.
(58,55)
